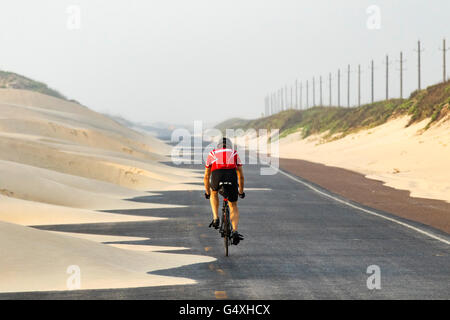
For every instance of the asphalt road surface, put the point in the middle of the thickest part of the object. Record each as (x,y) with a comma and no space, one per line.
(299,244)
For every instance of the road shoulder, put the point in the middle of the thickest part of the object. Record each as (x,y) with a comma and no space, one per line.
(372,193)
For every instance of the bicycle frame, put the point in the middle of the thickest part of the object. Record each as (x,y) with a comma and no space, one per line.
(225,226)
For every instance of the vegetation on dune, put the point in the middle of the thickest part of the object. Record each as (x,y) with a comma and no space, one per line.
(432,103)
(16,81)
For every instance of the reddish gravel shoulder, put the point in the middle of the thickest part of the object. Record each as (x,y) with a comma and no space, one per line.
(372,193)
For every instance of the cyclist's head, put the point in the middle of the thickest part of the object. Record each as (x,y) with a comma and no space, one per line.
(224,143)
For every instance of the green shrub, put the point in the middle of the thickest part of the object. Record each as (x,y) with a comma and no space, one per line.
(420,105)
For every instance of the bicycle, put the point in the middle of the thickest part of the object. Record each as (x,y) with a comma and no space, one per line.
(225,223)
(225,228)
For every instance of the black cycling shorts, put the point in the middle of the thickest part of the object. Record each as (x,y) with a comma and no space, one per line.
(226,175)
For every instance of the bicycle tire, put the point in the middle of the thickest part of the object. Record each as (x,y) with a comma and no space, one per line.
(226,229)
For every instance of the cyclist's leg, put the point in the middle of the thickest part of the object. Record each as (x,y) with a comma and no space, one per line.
(214,200)
(234,215)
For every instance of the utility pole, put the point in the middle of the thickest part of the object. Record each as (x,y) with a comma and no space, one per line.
(286,105)
(307,94)
(296,94)
(372,81)
(444,49)
(301,96)
(292,100)
(279,100)
(444,66)
(321,91)
(359,85)
(265,107)
(272,103)
(275,102)
(419,79)
(339,87)
(314,92)
(282,99)
(329,84)
(401,74)
(348,86)
(387,77)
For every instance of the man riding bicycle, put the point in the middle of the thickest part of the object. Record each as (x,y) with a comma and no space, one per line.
(223,165)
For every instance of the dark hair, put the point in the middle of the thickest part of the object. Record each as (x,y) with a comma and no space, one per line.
(225,143)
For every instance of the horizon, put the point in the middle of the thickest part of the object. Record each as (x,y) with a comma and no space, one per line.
(210,56)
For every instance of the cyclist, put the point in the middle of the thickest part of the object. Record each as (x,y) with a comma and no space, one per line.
(224,165)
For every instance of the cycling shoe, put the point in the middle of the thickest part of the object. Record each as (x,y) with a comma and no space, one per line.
(215,224)
(236,237)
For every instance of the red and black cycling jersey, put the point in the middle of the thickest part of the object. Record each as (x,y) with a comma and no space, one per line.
(223,159)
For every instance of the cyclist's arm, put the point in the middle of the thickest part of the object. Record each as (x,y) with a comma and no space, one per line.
(206,180)
(240,174)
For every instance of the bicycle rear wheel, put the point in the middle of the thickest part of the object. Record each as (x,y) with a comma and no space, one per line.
(226,230)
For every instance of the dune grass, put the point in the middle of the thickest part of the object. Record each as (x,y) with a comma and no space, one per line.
(432,102)
(16,81)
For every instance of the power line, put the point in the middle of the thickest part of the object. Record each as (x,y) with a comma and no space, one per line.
(279,100)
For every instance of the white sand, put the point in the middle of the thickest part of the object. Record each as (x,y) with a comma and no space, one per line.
(404,158)
(31,213)
(111,239)
(40,260)
(100,238)
(59,163)
(36,184)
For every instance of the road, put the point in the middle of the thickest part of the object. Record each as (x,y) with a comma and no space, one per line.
(299,244)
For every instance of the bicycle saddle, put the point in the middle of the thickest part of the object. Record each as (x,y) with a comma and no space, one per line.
(224,187)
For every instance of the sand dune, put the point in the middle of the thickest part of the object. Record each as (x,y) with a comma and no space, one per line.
(35,184)
(24,104)
(101,238)
(111,241)
(404,158)
(29,265)
(59,164)
(62,136)
(33,213)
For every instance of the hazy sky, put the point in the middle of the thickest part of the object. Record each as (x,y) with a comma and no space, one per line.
(185,60)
